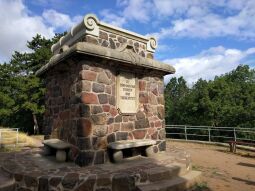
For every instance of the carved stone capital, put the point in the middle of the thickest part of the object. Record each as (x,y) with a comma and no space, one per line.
(151,44)
(91,24)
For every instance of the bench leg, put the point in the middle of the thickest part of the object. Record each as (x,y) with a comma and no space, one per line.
(117,156)
(47,150)
(234,148)
(61,155)
(231,147)
(149,151)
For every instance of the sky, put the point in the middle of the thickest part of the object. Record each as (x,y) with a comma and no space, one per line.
(200,38)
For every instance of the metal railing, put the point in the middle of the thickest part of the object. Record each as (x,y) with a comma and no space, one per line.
(209,133)
(9,136)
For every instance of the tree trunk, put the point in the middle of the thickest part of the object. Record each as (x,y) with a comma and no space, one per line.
(36,127)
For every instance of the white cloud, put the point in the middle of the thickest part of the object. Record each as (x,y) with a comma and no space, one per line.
(18,26)
(113,19)
(138,10)
(208,63)
(60,20)
(193,18)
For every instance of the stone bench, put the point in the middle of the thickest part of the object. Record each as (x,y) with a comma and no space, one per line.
(118,146)
(60,146)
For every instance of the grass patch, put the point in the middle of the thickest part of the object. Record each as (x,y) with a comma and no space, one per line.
(10,137)
(202,186)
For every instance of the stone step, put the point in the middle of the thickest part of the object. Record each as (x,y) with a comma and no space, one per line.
(178,183)
(7,183)
(165,172)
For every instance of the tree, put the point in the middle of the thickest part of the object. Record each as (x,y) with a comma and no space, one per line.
(228,100)
(21,92)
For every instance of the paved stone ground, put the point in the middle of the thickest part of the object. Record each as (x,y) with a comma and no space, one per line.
(32,170)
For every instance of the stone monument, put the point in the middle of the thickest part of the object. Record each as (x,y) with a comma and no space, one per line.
(102,86)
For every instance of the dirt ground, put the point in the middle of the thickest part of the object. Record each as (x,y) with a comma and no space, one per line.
(221,170)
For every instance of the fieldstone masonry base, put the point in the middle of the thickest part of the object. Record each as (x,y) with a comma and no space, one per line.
(83,94)
(81,109)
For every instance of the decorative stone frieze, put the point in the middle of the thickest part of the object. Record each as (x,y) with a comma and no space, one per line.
(97,32)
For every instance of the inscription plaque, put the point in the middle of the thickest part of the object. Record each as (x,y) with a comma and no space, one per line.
(127,93)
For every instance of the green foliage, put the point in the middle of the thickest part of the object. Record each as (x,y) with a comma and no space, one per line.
(21,92)
(228,100)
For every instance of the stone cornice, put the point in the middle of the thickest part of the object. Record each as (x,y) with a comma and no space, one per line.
(124,54)
(91,26)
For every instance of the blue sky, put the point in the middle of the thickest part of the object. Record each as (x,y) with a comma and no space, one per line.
(200,38)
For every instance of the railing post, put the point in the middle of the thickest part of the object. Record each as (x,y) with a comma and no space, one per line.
(0,138)
(17,136)
(185,129)
(209,134)
(235,133)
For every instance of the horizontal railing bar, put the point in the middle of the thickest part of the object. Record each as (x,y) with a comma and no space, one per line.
(198,135)
(187,126)
(239,130)
(223,137)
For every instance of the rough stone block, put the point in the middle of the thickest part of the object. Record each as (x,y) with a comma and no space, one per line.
(106,108)
(89,98)
(102,98)
(70,180)
(112,44)
(84,85)
(143,97)
(113,111)
(103,78)
(88,75)
(105,43)
(99,157)
(127,126)
(142,85)
(108,89)
(139,134)
(123,182)
(140,115)
(91,39)
(121,136)
(98,87)
(162,134)
(99,119)
(110,120)
(112,100)
(103,180)
(118,119)
(85,158)
(103,35)
(96,109)
(100,130)
(161,112)
(142,123)
(43,183)
(54,181)
(84,110)
(84,143)
(111,138)
(88,185)
(84,128)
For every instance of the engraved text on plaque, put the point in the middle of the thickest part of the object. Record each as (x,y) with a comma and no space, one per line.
(127,93)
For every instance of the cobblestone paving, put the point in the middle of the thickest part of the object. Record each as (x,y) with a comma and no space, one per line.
(33,171)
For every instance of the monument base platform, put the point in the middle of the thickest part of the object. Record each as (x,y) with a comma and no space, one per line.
(165,171)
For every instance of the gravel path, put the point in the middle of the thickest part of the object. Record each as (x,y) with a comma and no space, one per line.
(222,170)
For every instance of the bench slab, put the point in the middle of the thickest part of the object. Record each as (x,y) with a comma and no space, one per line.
(125,144)
(57,144)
